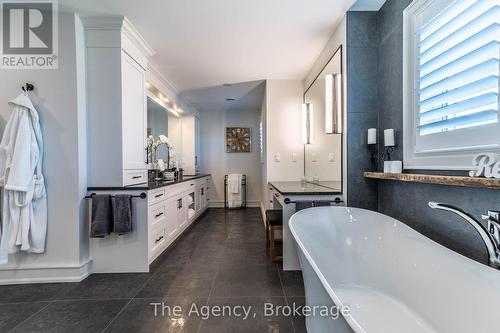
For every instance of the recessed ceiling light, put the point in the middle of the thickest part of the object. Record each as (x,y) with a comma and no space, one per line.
(230,99)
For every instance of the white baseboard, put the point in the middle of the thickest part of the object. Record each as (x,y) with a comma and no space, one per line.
(220,204)
(45,274)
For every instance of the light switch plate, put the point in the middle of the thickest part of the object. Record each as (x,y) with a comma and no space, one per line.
(277,157)
(331,157)
(314,157)
(294,157)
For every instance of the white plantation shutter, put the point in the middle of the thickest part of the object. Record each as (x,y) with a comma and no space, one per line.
(458,56)
(455,74)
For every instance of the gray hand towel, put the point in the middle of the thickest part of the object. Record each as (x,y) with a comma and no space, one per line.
(101,224)
(300,205)
(122,213)
(322,203)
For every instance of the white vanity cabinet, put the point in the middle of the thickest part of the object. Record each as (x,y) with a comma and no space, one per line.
(168,212)
(158,220)
(116,59)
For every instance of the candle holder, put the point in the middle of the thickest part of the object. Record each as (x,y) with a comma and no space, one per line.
(387,155)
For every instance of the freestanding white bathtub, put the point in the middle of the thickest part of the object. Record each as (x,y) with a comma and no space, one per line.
(390,277)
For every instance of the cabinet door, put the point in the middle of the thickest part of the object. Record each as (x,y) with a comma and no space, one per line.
(203,196)
(182,213)
(197,200)
(172,222)
(133,114)
(207,196)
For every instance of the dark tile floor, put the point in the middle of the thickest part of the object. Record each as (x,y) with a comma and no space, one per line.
(220,261)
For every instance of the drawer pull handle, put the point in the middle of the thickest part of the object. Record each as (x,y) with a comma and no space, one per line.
(136,177)
(158,215)
(159,195)
(158,239)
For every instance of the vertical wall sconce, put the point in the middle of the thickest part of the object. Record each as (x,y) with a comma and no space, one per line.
(307,123)
(333,104)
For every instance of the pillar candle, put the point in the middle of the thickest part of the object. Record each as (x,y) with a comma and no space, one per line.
(389,137)
(372,136)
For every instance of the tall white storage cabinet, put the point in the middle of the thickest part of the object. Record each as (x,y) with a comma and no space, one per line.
(191,144)
(117,116)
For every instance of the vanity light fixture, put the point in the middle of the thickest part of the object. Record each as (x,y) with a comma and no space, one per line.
(307,123)
(333,104)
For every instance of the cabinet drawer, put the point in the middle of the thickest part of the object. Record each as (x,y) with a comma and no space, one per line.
(157,213)
(158,240)
(156,196)
(133,177)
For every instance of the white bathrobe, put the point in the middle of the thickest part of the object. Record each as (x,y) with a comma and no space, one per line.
(24,204)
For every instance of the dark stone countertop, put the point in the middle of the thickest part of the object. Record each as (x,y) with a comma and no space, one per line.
(146,187)
(299,188)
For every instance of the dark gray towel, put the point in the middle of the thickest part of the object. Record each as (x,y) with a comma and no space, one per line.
(300,205)
(101,224)
(322,203)
(122,213)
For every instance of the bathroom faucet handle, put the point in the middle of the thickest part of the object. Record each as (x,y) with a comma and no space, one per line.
(493,225)
(492,215)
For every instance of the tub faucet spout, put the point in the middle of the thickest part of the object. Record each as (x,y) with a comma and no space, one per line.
(488,236)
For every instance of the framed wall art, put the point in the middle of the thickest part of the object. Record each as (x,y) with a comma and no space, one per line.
(238,139)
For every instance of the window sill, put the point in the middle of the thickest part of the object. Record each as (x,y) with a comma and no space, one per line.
(490,183)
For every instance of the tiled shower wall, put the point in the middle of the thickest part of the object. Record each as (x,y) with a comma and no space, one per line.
(375,62)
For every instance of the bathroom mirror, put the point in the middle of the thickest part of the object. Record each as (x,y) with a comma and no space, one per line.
(323,157)
(162,122)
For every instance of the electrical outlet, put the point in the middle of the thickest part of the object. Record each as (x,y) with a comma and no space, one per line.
(277,157)
(314,157)
(294,157)
(331,157)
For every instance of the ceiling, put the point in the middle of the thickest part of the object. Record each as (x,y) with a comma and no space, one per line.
(367,5)
(201,44)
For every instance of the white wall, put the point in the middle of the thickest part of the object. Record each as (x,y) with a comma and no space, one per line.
(62,117)
(283,130)
(217,162)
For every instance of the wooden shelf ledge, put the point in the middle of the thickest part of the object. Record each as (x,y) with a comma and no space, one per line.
(491,183)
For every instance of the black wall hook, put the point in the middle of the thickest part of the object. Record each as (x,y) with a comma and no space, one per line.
(28,87)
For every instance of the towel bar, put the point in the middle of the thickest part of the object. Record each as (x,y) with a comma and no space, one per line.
(336,201)
(142,196)
(244,189)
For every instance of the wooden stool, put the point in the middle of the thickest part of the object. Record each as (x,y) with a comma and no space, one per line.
(274,222)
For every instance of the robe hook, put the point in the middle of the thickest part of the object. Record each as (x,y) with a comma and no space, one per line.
(28,87)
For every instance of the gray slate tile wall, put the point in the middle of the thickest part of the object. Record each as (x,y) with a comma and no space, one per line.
(375,62)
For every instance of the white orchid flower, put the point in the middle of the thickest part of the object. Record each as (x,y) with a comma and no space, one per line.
(163,139)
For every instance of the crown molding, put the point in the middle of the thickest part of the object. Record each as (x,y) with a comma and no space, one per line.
(136,37)
(118,23)
(157,73)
